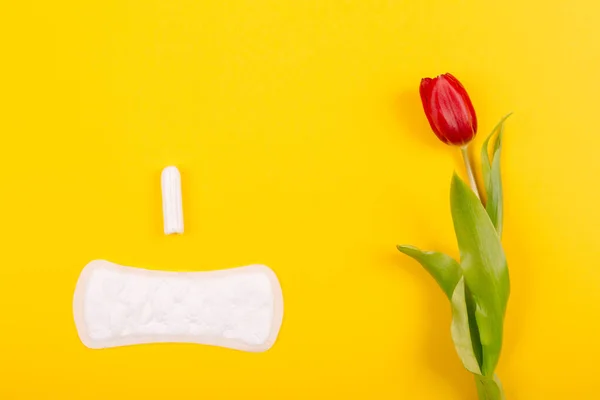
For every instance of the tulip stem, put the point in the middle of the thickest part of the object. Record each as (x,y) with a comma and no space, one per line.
(465,153)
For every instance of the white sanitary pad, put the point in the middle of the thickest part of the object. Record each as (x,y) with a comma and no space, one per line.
(239,308)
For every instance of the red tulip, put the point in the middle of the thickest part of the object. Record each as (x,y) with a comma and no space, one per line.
(449,109)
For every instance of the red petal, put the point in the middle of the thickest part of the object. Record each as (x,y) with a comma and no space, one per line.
(466,99)
(426,89)
(451,112)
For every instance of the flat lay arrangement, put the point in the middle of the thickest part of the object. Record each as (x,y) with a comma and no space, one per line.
(261,199)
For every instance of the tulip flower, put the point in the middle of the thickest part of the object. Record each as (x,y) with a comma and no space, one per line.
(451,115)
(449,109)
(477,285)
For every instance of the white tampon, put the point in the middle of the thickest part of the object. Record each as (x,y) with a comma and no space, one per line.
(172,201)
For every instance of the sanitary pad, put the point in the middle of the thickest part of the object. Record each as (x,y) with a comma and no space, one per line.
(239,308)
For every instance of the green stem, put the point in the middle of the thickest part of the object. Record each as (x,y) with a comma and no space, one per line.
(465,153)
(489,388)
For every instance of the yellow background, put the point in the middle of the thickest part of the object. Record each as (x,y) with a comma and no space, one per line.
(300,136)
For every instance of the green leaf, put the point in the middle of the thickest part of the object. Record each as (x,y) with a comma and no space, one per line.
(489,388)
(484,267)
(491,175)
(448,274)
(464,330)
(443,268)
(494,206)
